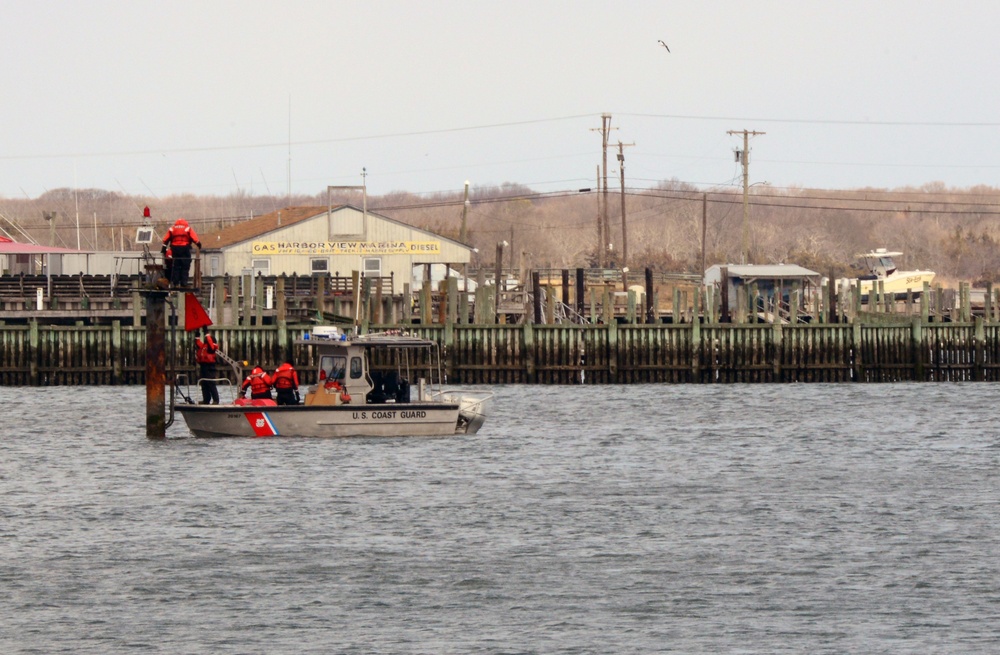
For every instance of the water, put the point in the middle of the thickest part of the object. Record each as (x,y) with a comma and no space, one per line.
(628,519)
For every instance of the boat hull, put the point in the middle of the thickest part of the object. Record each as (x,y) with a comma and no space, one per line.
(383,420)
(899,283)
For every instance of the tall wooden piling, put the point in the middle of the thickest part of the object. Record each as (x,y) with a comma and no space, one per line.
(156,364)
(651,308)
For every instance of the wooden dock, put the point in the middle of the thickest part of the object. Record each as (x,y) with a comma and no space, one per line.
(36,354)
(539,335)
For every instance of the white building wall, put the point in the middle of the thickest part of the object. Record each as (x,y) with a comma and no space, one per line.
(241,257)
(103,263)
(237,259)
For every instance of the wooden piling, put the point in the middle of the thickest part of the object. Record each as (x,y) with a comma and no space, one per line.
(155,364)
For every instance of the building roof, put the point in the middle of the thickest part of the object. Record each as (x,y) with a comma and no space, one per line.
(259,226)
(768,271)
(14,248)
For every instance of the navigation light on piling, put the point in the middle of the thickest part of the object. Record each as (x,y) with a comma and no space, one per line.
(145,212)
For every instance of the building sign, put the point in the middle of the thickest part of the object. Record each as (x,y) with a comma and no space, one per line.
(346,247)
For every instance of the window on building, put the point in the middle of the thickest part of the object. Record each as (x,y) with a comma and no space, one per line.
(319,265)
(261,266)
(215,265)
(372,266)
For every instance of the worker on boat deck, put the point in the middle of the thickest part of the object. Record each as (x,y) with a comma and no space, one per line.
(335,383)
(286,384)
(179,239)
(260,384)
(205,356)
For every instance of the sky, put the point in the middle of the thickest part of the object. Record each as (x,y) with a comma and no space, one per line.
(220,97)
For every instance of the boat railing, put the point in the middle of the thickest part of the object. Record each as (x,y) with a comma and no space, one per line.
(183,385)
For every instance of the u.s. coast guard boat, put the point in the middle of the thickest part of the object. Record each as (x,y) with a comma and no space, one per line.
(351,399)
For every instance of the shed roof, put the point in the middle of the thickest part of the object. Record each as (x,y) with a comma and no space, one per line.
(15,248)
(772,271)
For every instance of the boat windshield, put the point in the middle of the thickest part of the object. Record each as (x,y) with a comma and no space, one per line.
(880,265)
(332,367)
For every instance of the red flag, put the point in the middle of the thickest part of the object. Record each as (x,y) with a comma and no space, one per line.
(195,316)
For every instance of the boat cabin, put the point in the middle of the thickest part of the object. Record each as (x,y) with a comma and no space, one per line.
(880,264)
(345,374)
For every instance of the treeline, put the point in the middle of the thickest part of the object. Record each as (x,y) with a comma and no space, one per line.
(954,232)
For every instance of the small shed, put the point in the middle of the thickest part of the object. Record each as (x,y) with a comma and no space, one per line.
(33,259)
(770,279)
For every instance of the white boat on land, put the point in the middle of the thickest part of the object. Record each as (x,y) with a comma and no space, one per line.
(351,399)
(882,268)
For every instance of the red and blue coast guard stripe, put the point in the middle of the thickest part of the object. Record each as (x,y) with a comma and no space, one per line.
(261,424)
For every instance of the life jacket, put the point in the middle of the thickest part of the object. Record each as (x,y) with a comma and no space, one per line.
(180,235)
(258,381)
(206,350)
(286,377)
(336,386)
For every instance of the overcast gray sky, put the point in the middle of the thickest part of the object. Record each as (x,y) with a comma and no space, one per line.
(214,97)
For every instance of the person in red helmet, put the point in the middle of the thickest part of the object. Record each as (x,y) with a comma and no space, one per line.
(179,239)
(259,383)
(286,383)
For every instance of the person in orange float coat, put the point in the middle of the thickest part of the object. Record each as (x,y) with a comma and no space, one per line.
(286,383)
(179,239)
(336,383)
(260,384)
(205,356)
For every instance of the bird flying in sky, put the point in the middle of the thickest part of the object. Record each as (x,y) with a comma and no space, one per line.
(660,41)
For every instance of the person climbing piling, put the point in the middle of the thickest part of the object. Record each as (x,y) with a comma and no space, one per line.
(179,239)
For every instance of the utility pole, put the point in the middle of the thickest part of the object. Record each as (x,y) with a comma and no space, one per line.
(51,218)
(743,156)
(600,225)
(465,211)
(605,231)
(621,169)
(704,229)
(462,234)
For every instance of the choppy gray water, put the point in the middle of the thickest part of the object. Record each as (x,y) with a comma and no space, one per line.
(628,519)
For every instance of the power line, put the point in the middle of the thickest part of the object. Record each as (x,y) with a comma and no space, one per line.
(906,205)
(820,121)
(287,144)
